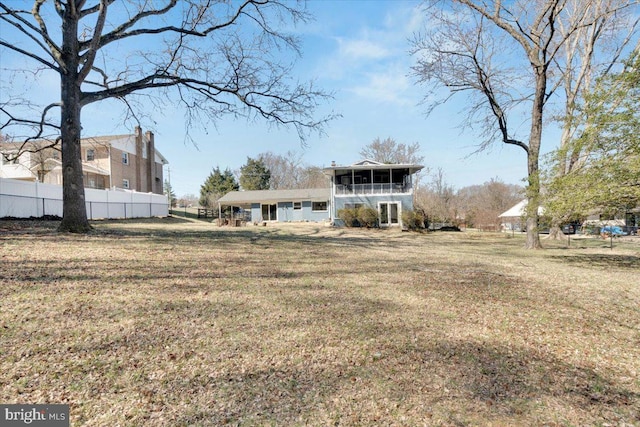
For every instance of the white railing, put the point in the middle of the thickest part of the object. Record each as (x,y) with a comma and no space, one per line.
(347,190)
(22,199)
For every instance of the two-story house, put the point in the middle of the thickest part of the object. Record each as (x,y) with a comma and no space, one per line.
(386,188)
(128,161)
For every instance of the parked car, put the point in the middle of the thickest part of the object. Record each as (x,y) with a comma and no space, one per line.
(612,230)
(631,230)
(571,228)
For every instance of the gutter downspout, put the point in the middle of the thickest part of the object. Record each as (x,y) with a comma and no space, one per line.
(332,198)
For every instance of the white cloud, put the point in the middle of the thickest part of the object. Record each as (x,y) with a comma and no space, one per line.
(386,87)
(361,49)
(405,21)
(372,47)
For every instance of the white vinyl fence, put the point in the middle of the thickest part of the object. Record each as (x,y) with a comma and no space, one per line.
(22,199)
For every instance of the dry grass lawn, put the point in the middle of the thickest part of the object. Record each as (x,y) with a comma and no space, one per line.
(180,323)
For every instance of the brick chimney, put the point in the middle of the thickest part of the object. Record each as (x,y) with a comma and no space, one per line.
(151,163)
(138,162)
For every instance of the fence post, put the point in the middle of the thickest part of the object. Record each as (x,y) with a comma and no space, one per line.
(125,210)
(36,199)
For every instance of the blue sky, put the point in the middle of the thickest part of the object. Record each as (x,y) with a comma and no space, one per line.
(359,50)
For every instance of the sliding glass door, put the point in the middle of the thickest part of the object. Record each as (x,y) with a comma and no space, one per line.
(389,213)
(269,212)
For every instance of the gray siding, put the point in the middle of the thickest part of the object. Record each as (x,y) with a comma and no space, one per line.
(405,200)
(286,213)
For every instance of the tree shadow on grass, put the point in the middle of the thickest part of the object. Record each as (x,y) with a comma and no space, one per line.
(500,383)
(513,380)
(601,261)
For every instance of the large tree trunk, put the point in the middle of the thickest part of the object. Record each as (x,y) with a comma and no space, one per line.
(555,231)
(533,160)
(74,211)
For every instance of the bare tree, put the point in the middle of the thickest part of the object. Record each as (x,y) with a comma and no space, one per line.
(214,57)
(288,171)
(480,205)
(502,54)
(313,177)
(283,168)
(390,151)
(437,200)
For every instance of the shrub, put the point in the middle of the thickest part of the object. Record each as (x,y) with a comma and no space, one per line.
(413,220)
(360,217)
(367,217)
(349,216)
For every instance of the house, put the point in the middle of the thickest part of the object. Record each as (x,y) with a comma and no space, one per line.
(310,204)
(120,161)
(387,188)
(512,218)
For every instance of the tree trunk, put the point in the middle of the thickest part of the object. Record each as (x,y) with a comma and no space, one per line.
(533,157)
(555,231)
(74,211)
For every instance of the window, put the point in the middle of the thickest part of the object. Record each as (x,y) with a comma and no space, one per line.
(319,206)
(91,155)
(125,158)
(297,206)
(125,183)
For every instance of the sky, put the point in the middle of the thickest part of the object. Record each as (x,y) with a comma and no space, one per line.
(359,51)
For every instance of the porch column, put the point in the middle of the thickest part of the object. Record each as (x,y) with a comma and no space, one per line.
(391,180)
(353,181)
(371,185)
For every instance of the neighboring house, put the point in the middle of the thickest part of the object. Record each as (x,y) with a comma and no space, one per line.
(387,188)
(513,219)
(310,204)
(121,161)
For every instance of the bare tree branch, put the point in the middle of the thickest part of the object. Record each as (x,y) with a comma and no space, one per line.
(24,26)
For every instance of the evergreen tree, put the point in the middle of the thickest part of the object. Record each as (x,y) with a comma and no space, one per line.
(254,175)
(216,185)
(173,200)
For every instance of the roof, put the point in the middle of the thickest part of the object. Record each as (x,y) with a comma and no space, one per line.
(273,196)
(518,210)
(368,164)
